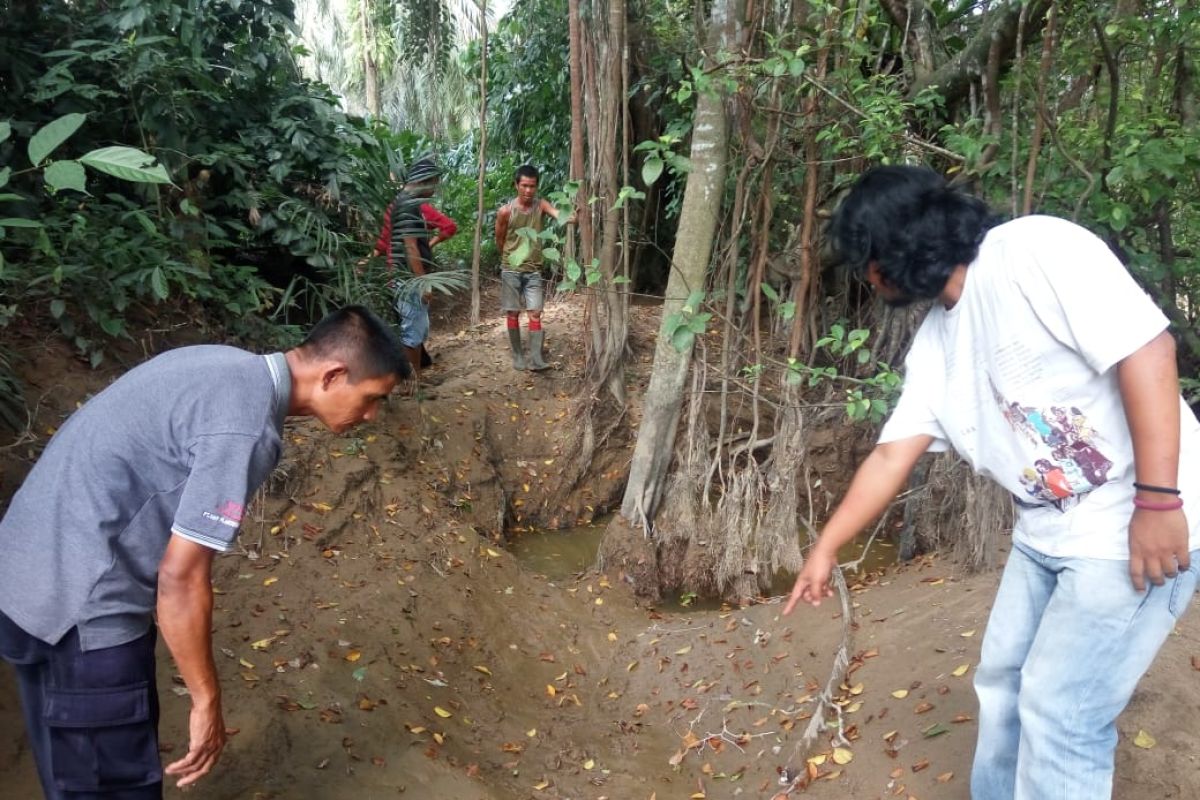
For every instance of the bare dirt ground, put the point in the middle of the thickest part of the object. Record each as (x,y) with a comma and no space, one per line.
(375,639)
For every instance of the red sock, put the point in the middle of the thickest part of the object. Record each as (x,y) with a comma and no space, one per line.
(513,322)
(535,325)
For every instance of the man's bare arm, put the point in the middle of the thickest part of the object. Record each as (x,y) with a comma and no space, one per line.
(185,602)
(501,229)
(875,484)
(1149,384)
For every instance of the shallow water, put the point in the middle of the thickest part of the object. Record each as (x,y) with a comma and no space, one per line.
(562,554)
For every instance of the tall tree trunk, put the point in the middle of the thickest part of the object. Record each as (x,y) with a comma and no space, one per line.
(483,90)
(689,264)
(582,210)
(370,68)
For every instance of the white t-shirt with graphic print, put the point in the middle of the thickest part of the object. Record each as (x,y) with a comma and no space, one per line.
(1019,377)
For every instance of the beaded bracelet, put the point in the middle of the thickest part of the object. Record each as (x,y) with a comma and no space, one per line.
(1146,487)
(1150,505)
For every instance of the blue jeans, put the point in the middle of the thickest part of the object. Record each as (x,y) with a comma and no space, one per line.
(1066,643)
(413,312)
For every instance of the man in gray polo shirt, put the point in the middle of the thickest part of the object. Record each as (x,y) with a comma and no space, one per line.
(120,519)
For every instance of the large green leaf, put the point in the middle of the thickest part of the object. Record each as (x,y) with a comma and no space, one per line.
(18,222)
(5,172)
(126,163)
(5,131)
(158,282)
(651,170)
(517,257)
(65,175)
(52,135)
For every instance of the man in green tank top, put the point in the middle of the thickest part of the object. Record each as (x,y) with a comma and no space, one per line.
(518,224)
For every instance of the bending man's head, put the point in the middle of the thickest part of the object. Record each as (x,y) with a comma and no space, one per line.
(354,336)
(907,231)
(343,371)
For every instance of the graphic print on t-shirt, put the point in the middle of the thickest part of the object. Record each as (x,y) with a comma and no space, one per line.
(1067,465)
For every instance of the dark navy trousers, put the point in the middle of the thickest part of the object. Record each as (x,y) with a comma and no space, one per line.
(91,717)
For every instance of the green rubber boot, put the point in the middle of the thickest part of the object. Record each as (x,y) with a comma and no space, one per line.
(536,340)
(514,341)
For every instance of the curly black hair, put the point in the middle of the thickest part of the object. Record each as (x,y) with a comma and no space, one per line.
(912,225)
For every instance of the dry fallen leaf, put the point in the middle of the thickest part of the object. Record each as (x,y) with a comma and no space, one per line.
(353,655)
(842,756)
(270,580)
(483,669)
(1144,740)
(944,777)
(960,670)
(900,694)
(441,712)
(589,764)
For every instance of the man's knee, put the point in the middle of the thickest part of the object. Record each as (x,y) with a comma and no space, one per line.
(512,319)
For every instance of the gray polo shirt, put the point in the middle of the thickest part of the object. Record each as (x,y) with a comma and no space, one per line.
(176,445)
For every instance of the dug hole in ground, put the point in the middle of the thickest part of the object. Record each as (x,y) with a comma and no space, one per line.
(376,637)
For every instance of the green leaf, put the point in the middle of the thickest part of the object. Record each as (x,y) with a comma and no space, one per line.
(5,131)
(682,339)
(769,291)
(4,175)
(787,310)
(551,254)
(651,170)
(126,163)
(18,222)
(681,164)
(65,175)
(517,257)
(937,729)
(112,326)
(158,283)
(52,135)
(57,307)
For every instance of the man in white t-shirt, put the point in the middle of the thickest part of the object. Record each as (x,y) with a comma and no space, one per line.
(1048,369)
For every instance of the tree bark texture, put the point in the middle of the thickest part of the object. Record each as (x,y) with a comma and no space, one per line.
(483,87)
(689,264)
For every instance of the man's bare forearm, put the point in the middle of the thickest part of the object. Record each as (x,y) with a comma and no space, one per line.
(185,605)
(875,484)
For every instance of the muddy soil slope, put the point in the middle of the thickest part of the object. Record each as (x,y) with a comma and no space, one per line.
(376,639)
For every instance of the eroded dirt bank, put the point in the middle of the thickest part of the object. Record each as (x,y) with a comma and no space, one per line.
(376,640)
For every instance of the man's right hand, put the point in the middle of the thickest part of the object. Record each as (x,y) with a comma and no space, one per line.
(813,583)
(206,740)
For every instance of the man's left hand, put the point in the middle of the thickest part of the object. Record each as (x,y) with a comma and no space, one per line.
(1158,546)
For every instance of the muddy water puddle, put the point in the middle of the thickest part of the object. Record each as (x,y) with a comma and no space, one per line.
(563,554)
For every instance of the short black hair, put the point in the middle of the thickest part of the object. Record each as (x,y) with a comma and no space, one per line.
(914,226)
(527,171)
(366,343)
